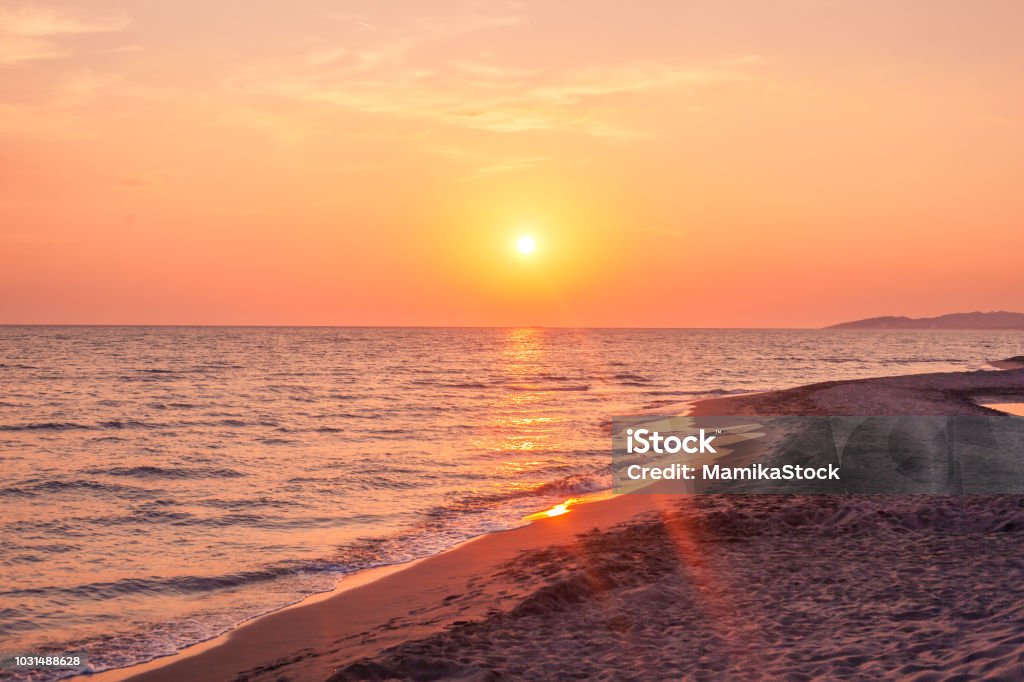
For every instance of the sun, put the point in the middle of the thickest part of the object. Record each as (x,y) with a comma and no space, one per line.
(526,244)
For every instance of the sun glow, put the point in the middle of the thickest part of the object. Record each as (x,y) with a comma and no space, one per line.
(526,244)
(557,510)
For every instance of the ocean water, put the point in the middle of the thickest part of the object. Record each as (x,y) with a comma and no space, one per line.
(163,484)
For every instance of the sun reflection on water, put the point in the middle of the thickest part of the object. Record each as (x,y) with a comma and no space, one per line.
(523,432)
(557,510)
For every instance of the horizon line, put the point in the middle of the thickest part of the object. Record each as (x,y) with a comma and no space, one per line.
(368,326)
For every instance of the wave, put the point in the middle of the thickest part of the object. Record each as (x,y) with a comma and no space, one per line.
(450,384)
(246,503)
(179,585)
(710,392)
(33,489)
(535,387)
(543,383)
(174,406)
(168,472)
(152,375)
(72,426)
(44,426)
(230,422)
(153,514)
(626,376)
(575,484)
(127,424)
(922,360)
(279,441)
(350,415)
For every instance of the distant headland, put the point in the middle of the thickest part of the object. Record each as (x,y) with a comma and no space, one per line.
(977,320)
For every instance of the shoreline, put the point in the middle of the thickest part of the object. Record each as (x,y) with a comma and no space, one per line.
(358,579)
(349,582)
(235,652)
(429,597)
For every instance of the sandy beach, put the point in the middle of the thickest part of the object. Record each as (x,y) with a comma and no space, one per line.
(702,587)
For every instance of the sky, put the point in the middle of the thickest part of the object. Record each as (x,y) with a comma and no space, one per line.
(679,164)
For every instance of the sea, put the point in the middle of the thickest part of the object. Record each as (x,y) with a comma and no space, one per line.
(162,485)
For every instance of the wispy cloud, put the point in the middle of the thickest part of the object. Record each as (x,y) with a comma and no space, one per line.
(441,71)
(486,164)
(510,166)
(57,107)
(29,32)
(487,96)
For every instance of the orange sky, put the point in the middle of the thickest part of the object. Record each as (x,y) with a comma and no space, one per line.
(713,163)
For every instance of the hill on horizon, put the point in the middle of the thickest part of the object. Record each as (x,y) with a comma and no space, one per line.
(977,320)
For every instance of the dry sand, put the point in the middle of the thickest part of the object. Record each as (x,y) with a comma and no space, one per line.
(941,394)
(645,587)
(754,588)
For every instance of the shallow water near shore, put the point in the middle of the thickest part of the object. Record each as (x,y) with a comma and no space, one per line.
(164,484)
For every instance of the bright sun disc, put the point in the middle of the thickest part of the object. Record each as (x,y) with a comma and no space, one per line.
(526,244)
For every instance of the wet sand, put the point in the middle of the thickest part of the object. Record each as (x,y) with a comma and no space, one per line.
(703,587)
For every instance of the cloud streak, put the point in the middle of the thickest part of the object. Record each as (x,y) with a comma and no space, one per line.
(488,97)
(453,73)
(30,32)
